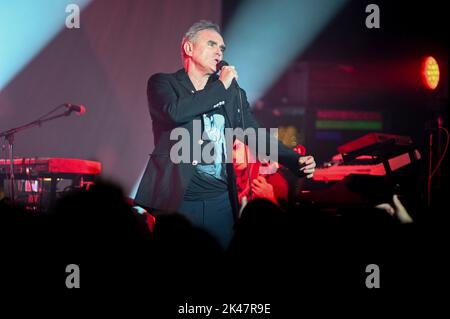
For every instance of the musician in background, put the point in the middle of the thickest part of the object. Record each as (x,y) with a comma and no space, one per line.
(270,181)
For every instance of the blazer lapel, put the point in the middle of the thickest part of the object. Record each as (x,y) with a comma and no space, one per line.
(229,109)
(183,78)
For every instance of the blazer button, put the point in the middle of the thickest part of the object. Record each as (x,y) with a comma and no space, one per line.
(200,142)
(194,162)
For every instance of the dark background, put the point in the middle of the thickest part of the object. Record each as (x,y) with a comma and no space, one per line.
(350,67)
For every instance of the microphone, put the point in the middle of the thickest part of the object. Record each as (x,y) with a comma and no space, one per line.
(79,109)
(219,67)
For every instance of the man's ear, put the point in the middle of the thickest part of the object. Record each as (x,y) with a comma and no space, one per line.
(188,48)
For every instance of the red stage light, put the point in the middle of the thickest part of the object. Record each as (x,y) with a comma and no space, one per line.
(430,73)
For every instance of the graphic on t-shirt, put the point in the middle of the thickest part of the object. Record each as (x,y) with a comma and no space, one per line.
(214,131)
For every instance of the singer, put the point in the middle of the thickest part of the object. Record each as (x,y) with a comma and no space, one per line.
(204,192)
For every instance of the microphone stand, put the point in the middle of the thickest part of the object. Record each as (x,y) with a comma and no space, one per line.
(9,136)
(241,110)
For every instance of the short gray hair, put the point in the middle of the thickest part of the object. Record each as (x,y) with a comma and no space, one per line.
(191,33)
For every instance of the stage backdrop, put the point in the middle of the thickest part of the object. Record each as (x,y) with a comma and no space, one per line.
(103,65)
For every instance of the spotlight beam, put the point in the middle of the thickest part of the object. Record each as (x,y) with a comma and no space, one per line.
(264,36)
(26,27)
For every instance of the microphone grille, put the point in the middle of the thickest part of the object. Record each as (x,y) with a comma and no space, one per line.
(82,110)
(221,64)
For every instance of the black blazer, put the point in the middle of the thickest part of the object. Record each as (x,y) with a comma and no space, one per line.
(173,103)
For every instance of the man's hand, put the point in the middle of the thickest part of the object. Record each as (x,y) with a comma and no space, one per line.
(307,165)
(398,211)
(262,189)
(227,74)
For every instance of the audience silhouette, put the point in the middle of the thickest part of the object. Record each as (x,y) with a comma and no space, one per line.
(99,230)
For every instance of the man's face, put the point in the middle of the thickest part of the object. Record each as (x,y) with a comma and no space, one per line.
(207,50)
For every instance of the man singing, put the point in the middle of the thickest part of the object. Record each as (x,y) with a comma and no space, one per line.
(204,191)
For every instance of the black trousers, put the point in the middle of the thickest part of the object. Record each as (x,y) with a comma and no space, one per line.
(215,215)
